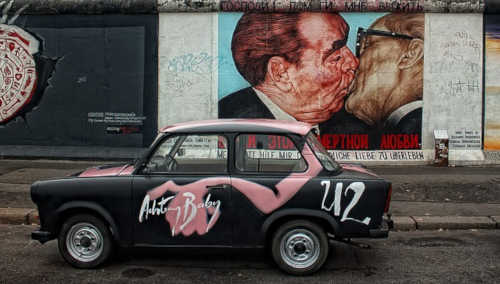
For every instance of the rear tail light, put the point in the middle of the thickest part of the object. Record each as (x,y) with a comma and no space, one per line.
(388,200)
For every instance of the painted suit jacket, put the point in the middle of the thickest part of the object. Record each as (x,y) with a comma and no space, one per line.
(243,104)
(246,104)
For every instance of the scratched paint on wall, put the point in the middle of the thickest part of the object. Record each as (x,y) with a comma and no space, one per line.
(492,88)
(361,85)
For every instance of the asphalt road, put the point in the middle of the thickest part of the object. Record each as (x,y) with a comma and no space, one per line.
(416,257)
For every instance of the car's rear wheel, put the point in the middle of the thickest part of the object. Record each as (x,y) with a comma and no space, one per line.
(300,247)
(85,241)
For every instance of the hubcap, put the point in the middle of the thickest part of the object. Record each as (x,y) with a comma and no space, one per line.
(300,248)
(84,242)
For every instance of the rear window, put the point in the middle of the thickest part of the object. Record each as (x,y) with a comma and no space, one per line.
(268,153)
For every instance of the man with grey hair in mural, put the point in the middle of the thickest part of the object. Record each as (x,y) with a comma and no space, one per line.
(387,91)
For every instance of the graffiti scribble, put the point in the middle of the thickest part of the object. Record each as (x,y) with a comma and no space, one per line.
(187,69)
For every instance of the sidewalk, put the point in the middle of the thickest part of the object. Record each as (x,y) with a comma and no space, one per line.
(424,197)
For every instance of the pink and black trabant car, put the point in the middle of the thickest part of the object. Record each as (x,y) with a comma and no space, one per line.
(221,183)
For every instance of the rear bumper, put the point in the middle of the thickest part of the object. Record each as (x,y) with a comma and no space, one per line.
(42,236)
(383,230)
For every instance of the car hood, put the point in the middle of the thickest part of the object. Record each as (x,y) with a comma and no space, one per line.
(357,171)
(108,170)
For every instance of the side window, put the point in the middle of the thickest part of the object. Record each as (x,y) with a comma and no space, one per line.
(190,154)
(268,153)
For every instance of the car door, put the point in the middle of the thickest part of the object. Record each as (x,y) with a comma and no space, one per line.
(182,196)
(269,171)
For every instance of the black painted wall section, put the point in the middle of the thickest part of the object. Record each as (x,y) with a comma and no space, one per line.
(492,6)
(103,89)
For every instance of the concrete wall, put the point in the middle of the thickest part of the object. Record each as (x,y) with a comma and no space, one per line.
(110,73)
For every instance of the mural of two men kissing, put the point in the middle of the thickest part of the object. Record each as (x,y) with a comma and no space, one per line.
(357,77)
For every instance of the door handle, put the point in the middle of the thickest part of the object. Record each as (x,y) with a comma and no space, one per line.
(222,186)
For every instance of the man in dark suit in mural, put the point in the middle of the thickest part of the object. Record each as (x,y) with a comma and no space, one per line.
(297,63)
(387,91)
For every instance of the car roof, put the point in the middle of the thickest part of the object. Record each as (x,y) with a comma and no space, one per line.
(239,125)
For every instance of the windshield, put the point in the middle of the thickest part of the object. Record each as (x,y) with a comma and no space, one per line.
(326,160)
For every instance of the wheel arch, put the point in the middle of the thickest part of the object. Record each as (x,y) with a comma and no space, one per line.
(85,207)
(277,218)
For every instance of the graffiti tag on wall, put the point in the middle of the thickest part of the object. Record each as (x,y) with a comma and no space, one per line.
(185,70)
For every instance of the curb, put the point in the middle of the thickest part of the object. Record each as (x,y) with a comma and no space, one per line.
(18,216)
(423,223)
(454,222)
(29,216)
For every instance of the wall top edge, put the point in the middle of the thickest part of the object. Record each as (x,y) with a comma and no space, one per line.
(156,6)
(403,6)
(48,7)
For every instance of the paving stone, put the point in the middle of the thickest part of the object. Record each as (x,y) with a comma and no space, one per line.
(21,199)
(453,222)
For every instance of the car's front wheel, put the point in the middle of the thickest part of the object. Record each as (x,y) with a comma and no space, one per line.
(300,247)
(85,241)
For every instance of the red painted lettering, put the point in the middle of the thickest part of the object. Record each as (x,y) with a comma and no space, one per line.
(399,141)
(251,141)
(272,142)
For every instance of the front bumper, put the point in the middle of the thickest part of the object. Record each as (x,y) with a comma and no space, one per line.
(383,230)
(42,236)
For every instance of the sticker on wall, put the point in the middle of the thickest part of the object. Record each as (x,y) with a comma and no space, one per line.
(23,71)
(357,77)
